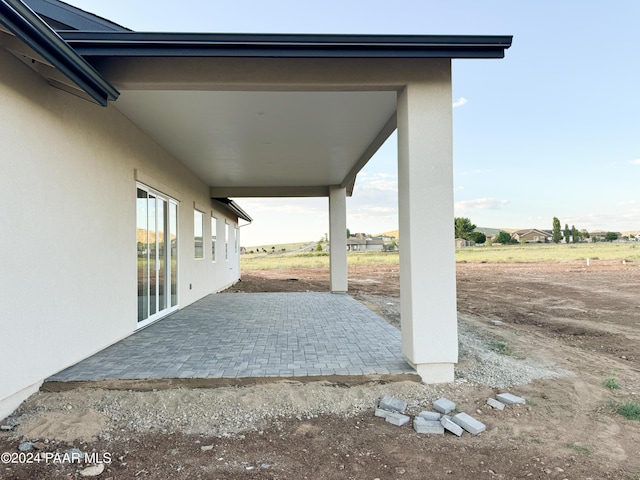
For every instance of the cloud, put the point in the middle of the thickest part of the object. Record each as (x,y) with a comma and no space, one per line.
(286,206)
(635,162)
(481,204)
(459,102)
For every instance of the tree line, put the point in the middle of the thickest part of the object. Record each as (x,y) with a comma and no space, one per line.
(465,230)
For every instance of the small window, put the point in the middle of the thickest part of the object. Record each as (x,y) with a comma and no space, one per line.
(198,229)
(214,228)
(227,232)
(235,239)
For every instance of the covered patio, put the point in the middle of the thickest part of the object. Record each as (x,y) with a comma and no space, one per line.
(240,336)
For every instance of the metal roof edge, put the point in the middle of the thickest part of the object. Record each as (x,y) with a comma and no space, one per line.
(139,44)
(25,24)
(235,208)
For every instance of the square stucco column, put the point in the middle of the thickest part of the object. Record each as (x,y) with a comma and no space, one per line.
(338,239)
(427,253)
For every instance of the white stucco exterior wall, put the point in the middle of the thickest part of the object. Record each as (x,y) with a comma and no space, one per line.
(68,228)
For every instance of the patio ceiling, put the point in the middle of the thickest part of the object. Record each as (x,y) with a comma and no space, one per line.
(266,143)
(271,114)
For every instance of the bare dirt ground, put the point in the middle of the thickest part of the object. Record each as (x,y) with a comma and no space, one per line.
(584,320)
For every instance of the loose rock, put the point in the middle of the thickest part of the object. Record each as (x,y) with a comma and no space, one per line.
(25,446)
(93,470)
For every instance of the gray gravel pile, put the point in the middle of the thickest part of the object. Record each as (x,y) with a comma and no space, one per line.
(480,364)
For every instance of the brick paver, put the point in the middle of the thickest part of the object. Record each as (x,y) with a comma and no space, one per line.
(235,335)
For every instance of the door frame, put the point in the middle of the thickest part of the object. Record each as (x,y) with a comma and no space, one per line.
(153,264)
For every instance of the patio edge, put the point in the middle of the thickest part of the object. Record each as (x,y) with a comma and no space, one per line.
(145,385)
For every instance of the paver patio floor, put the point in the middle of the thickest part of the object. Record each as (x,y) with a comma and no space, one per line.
(238,335)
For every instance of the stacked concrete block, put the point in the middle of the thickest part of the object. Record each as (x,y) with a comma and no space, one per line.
(509,399)
(397,419)
(493,403)
(470,424)
(428,427)
(449,425)
(444,405)
(392,409)
(430,416)
(393,404)
(382,413)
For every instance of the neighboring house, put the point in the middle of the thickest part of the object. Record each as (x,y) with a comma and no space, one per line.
(371,244)
(600,235)
(118,171)
(355,244)
(463,243)
(532,236)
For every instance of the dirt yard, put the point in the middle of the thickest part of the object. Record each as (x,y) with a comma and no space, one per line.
(582,320)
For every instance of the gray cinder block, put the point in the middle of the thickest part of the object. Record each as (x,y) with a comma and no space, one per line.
(492,402)
(393,404)
(397,419)
(509,399)
(382,413)
(449,425)
(428,427)
(470,424)
(432,416)
(444,405)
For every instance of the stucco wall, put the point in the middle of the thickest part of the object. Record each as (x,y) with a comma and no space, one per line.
(68,227)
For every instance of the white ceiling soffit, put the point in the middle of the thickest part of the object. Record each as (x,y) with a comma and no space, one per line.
(235,140)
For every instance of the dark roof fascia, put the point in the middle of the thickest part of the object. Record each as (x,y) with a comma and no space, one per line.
(143,44)
(235,208)
(41,38)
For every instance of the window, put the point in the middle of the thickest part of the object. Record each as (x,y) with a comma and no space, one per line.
(198,229)
(235,239)
(227,231)
(214,228)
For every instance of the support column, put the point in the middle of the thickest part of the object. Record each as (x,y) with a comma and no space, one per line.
(427,250)
(338,239)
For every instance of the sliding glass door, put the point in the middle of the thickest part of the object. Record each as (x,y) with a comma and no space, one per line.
(156,219)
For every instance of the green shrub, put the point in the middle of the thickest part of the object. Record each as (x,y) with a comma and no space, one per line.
(500,347)
(612,382)
(579,449)
(629,410)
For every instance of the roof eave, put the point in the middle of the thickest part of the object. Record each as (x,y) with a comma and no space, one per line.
(143,44)
(235,208)
(18,18)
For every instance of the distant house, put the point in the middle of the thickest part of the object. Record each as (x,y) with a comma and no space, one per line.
(463,243)
(372,244)
(532,235)
(600,235)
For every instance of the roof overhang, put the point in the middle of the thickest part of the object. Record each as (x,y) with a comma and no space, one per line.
(40,47)
(252,115)
(264,115)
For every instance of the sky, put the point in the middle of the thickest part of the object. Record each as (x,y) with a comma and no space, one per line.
(551,130)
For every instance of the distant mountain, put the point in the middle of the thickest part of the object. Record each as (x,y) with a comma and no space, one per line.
(392,233)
